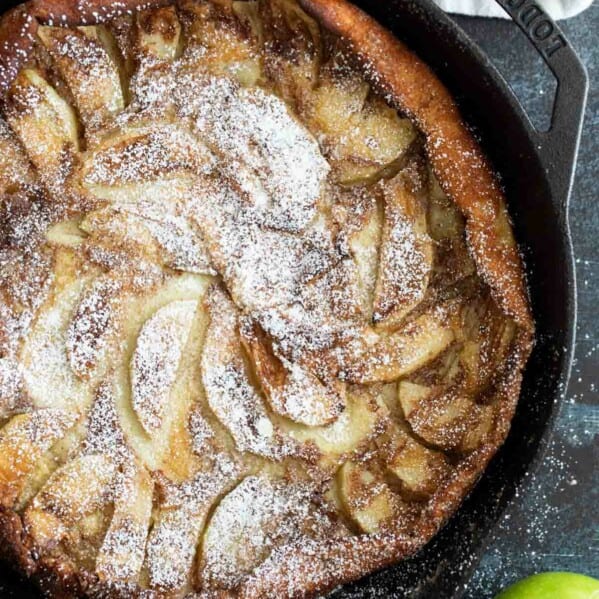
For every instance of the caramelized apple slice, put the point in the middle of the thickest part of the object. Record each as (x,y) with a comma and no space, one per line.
(411,395)
(217,44)
(177,529)
(365,245)
(387,357)
(49,379)
(147,174)
(248,13)
(122,553)
(406,254)
(23,442)
(444,218)
(291,389)
(179,524)
(104,433)
(258,516)
(417,468)
(487,340)
(158,35)
(446,418)
(66,233)
(294,43)
(163,238)
(361,136)
(46,126)
(274,160)
(453,261)
(366,496)
(262,268)
(144,160)
(12,388)
(99,94)
(356,424)
(229,390)
(168,448)
(93,324)
(117,238)
(73,492)
(155,362)
(16,172)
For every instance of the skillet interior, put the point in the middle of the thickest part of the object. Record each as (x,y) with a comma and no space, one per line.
(541,229)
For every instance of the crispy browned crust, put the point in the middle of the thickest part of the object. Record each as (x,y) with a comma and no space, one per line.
(465,175)
(16,548)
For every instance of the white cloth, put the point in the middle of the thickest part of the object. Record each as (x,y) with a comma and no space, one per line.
(557,9)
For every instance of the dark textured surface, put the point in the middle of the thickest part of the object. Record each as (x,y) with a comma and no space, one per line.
(561,505)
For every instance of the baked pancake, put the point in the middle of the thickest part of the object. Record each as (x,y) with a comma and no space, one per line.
(263,320)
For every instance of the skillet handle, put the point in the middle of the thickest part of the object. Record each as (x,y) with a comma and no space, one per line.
(558,147)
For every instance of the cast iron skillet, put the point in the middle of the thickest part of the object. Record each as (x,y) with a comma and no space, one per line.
(536,170)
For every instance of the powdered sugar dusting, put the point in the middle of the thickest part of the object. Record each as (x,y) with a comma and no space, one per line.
(274,160)
(179,525)
(156,359)
(249,523)
(11,387)
(92,324)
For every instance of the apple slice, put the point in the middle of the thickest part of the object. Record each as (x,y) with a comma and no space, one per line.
(354,426)
(66,233)
(23,442)
(362,137)
(122,553)
(365,244)
(229,390)
(487,336)
(448,417)
(156,358)
(271,156)
(76,490)
(406,254)
(48,376)
(366,496)
(174,530)
(159,35)
(93,323)
(143,158)
(292,390)
(164,239)
(217,44)
(179,524)
(255,518)
(100,93)
(16,172)
(417,468)
(385,358)
(12,387)
(294,43)
(447,227)
(45,124)
(157,44)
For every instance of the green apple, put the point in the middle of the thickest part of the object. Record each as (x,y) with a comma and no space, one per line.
(553,585)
